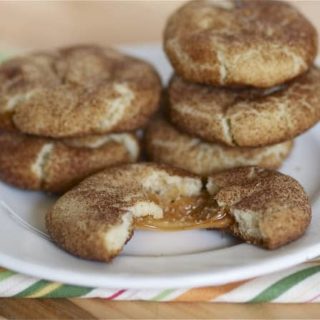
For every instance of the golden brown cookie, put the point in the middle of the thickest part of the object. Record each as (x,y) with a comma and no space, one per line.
(240,42)
(165,144)
(95,219)
(269,209)
(57,165)
(77,91)
(246,117)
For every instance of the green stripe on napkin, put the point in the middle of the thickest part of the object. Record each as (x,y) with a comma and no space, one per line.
(283,285)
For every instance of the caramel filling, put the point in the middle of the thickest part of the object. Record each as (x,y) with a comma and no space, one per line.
(186,213)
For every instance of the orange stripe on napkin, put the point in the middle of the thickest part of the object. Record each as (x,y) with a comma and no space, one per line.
(208,293)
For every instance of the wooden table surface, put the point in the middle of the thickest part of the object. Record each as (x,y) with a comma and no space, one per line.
(48,24)
(100,309)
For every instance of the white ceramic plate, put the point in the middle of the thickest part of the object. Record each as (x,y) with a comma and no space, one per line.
(155,259)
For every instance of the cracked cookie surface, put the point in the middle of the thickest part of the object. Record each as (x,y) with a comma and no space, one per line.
(240,42)
(246,117)
(77,91)
(35,163)
(165,144)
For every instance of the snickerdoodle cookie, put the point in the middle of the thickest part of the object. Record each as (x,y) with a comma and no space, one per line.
(166,144)
(95,219)
(269,208)
(246,117)
(240,42)
(77,91)
(57,165)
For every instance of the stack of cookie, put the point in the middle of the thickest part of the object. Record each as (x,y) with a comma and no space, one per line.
(244,87)
(68,113)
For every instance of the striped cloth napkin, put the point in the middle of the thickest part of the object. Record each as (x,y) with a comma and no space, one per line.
(297,284)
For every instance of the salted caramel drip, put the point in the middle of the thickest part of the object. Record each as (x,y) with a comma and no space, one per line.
(185,213)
